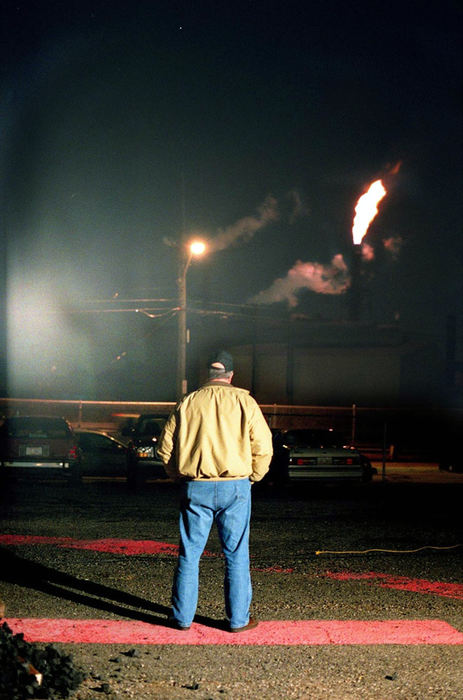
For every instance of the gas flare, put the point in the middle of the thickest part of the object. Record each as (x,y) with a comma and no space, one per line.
(366,210)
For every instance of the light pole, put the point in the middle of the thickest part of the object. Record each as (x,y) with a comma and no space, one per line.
(186,252)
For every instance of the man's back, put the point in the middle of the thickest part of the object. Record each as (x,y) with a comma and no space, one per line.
(220,433)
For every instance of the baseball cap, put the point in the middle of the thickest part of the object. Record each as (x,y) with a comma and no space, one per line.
(221,361)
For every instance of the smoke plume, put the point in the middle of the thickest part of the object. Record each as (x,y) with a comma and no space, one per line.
(368,252)
(245,228)
(323,279)
(393,244)
(298,207)
(291,208)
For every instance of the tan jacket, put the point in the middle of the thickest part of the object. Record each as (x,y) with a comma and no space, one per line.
(216,432)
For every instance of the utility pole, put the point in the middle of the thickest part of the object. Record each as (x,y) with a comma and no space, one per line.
(185,252)
(185,255)
(183,264)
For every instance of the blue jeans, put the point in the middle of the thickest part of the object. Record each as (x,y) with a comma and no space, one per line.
(228,503)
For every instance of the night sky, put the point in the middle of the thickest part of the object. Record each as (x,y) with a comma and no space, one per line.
(257,125)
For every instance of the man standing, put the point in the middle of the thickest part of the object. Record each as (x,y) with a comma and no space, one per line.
(216,442)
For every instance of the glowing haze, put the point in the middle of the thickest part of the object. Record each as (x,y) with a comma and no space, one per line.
(366,210)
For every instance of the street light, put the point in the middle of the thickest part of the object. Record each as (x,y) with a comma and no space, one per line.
(186,252)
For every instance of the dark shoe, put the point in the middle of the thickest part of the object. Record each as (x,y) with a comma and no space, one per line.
(176,625)
(250,626)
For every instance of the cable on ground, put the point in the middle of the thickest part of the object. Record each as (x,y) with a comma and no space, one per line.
(389,551)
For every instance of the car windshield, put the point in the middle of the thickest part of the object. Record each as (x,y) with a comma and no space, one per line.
(35,428)
(313,438)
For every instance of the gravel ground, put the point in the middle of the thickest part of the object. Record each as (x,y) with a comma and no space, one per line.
(287,531)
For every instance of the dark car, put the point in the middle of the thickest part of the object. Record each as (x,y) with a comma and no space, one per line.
(102,454)
(42,446)
(143,462)
(277,474)
(320,455)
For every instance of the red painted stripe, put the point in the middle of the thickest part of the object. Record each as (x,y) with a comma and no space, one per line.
(111,545)
(402,583)
(33,539)
(115,546)
(128,547)
(267,633)
(446,590)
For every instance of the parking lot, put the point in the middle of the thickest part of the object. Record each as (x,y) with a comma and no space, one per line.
(359,589)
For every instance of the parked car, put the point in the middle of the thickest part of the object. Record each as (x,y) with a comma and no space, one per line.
(102,454)
(277,474)
(143,462)
(42,446)
(317,455)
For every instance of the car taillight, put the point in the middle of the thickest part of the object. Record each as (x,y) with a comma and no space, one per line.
(145,452)
(345,460)
(72,454)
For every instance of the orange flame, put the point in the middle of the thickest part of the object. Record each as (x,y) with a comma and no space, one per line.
(366,210)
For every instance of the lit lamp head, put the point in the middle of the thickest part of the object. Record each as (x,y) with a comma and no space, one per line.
(197,248)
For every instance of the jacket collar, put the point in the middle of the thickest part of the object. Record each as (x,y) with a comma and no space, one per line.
(216,382)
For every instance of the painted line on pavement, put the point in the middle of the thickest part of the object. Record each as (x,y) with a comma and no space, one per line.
(267,633)
(110,545)
(113,545)
(402,583)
